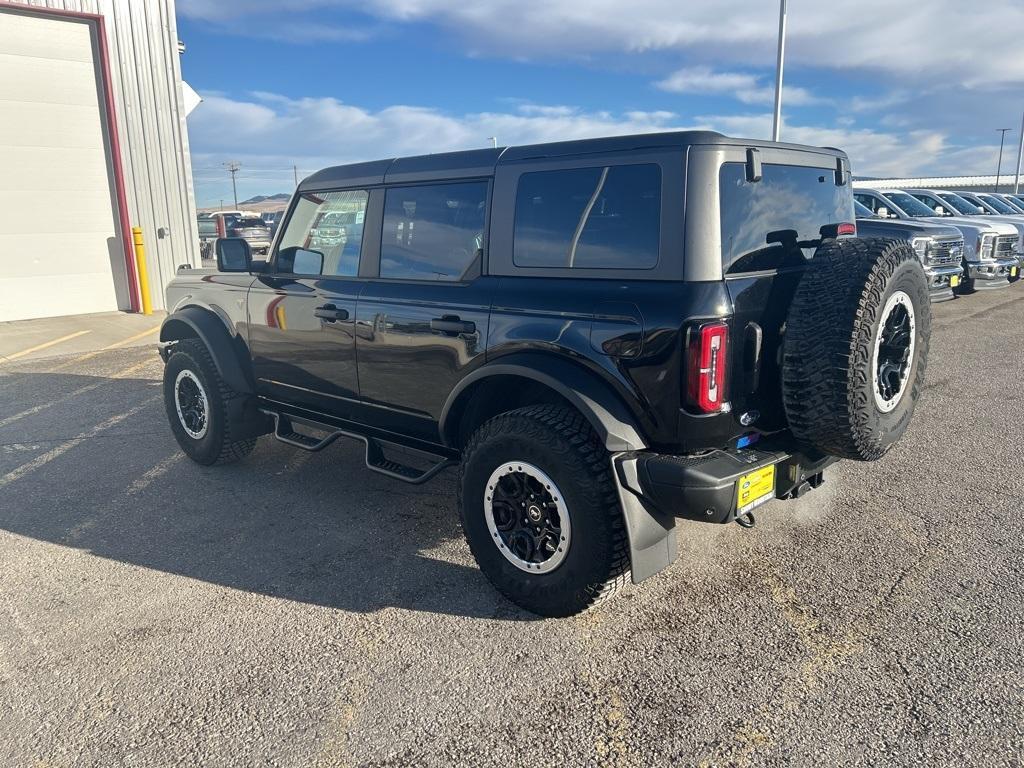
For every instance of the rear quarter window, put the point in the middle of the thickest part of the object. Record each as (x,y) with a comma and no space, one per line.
(589,218)
(791,203)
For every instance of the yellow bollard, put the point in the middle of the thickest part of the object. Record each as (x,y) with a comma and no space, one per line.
(140,267)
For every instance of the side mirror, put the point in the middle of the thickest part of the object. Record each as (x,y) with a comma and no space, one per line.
(233,254)
(300,261)
(882,211)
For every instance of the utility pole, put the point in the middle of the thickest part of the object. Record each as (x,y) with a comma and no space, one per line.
(233,168)
(494,141)
(999,165)
(777,122)
(1020,154)
(295,173)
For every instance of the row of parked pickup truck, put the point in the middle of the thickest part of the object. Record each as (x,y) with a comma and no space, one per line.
(967,241)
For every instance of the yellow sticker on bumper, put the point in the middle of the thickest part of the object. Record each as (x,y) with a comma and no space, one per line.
(1013,271)
(954,281)
(754,489)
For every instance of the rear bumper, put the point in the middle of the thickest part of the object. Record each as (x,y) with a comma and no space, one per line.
(704,487)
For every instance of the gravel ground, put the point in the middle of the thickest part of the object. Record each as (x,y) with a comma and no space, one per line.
(298,610)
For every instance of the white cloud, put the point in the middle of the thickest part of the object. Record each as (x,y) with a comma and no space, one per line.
(745,87)
(270,133)
(923,41)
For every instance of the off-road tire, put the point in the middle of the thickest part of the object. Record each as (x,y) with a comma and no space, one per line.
(217,446)
(827,367)
(561,443)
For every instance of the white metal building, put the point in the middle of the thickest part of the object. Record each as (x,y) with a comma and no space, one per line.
(92,143)
(1007,182)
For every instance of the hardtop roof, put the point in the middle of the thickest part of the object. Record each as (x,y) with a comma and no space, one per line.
(476,163)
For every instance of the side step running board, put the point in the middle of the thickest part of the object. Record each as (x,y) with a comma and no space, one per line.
(284,430)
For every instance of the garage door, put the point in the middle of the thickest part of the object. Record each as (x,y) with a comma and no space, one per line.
(60,252)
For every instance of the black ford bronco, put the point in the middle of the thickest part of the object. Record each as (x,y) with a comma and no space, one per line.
(605,336)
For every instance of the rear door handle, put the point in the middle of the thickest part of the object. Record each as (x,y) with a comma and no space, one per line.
(330,313)
(452,324)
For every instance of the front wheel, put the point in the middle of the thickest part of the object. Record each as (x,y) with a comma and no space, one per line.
(197,399)
(541,513)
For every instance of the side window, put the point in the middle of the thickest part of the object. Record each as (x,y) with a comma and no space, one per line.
(589,218)
(932,203)
(868,200)
(329,224)
(433,232)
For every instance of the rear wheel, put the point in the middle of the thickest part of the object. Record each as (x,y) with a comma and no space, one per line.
(196,400)
(541,513)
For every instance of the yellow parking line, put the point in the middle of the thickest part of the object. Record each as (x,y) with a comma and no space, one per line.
(130,339)
(74,393)
(150,475)
(62,448)
(47,345)
(115,345)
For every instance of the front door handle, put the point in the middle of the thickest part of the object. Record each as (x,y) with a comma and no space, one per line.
(452,324)
(330,313)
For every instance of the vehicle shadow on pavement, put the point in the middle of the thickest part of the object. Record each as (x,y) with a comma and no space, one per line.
(315,528)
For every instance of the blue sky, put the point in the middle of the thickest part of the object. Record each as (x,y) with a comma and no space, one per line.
(906,89)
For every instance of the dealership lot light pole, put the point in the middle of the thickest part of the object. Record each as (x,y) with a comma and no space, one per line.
(1020,155)
(999,165)
(777,122)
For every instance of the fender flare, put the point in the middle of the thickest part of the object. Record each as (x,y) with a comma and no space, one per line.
(221,342)
(599,405)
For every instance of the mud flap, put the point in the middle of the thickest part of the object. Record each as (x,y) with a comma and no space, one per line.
(652,537)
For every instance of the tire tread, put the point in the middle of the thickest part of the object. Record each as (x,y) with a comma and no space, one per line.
(828,344)
(231,450)
(550,422)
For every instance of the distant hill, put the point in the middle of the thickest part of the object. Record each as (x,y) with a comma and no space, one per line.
(282,196)
(258,204)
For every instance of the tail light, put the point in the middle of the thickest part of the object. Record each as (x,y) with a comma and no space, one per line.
(846,228)
(705,381)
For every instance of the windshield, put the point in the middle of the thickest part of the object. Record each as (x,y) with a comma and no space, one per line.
(909,205)
(996,203)
(250,222)
(207,227)
(959,204)
(861,211)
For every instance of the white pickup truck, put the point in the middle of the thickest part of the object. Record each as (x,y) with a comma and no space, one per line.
(991,258)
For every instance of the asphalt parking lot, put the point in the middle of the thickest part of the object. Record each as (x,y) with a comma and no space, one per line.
(298,610)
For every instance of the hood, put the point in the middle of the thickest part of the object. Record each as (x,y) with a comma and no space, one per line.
(1011,221)
(974,225)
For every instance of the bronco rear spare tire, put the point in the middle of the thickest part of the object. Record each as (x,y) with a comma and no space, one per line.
(856,347)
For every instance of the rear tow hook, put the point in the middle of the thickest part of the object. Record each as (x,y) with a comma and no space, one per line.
(746,521)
